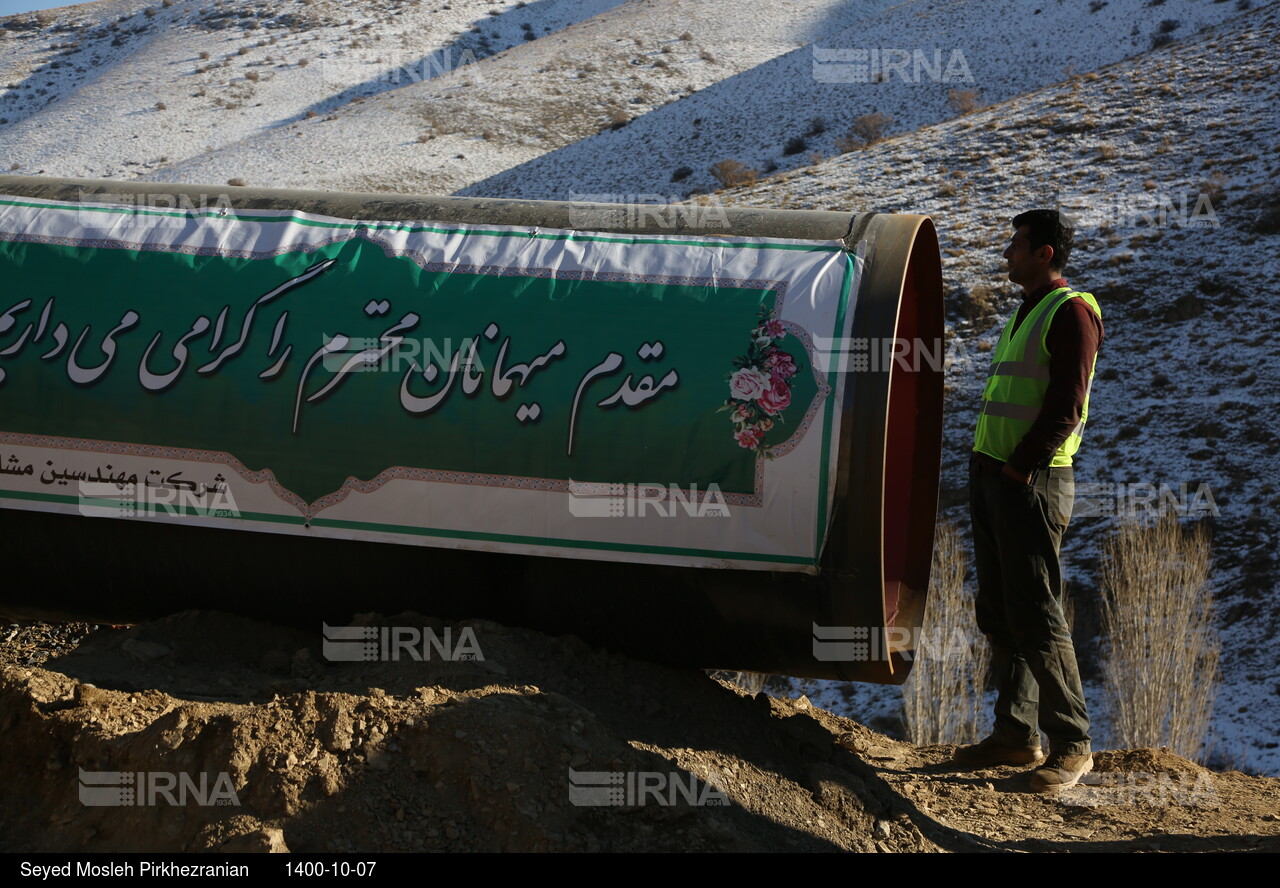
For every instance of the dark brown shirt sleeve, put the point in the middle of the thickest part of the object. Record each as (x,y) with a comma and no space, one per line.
(1075,334)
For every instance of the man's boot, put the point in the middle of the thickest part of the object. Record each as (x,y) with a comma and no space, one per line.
(991,752)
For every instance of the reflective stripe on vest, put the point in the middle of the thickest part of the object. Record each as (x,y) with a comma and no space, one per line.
(1014,393)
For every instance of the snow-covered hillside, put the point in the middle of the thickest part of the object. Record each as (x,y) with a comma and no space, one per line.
(377,95)
(916,62)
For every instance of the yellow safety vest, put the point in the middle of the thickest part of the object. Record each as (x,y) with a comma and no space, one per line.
(1019,378)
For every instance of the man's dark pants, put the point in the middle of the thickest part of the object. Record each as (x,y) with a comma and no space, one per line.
(1017,533)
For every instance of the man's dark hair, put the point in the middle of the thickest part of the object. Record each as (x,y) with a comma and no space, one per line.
(1048,227)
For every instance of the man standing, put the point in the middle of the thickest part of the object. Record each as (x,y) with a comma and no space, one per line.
(1034,409)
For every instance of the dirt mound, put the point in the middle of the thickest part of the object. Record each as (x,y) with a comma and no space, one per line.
(430,754)
(1147,761)
(207,732)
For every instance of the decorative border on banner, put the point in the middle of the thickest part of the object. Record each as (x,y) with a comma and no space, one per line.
(183,454)
(252,216)
(309,511)
(145,247)
(778,287)
(824,391)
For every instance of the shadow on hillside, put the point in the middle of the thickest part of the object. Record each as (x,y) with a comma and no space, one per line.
(458,56)
(42,87)
(667,127)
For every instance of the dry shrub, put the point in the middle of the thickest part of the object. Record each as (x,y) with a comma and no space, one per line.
(1215,188)
(943,698)
(1161,663)
(865,132)
(871,127)
(845,144)
(980,304)
(963,101)
(732,173)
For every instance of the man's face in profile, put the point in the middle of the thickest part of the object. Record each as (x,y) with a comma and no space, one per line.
(1024,267)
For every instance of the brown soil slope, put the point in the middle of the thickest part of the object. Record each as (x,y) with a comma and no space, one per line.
(476,754)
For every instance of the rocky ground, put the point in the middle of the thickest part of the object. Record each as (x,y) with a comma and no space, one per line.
(298,753)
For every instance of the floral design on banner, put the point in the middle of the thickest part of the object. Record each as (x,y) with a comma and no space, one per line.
(760,385)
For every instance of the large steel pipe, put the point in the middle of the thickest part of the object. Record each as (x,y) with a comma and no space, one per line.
(701,435)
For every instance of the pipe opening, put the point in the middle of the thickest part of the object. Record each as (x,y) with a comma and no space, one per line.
(913,444)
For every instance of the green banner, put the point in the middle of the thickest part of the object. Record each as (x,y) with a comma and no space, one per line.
(344,362)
